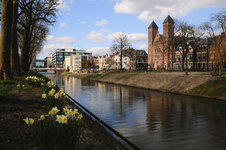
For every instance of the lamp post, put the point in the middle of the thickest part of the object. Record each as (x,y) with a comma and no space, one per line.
(170,64)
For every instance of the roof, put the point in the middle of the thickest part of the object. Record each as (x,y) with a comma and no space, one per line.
(141,51)
(153,25)
(168,20)
(207,40)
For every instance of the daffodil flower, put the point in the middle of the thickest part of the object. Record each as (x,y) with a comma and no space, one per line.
(80,117)
(31,121)
(64,119)
(55,109)
(41,83)
(18,85)
(43,95)
(26,120)
(75,111)
(56,96)
(69,112)
(59,118)
(52,112)
(42,117)
(22,85)
(65,110)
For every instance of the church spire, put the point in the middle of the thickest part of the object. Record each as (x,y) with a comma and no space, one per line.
(168,20)
(153,25)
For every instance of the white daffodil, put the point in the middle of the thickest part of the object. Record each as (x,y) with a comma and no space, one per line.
(59,118)
(31,121)
(75,111)
(64,119)
(42,117)
(56,96)
(55,109)
(70,112)
(65,110)
(27,121)
(43,95)
(80,117)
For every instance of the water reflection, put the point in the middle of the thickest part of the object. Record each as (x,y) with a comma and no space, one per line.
(152,120)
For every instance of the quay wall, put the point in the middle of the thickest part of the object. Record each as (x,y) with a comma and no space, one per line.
(165,82)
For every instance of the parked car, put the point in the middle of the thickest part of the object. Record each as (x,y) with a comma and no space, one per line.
(100,69)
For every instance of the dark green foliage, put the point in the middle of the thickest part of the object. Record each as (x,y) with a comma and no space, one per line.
(50,134)
(52,102)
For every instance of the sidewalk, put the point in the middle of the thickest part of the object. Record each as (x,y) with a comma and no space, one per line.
(189,73)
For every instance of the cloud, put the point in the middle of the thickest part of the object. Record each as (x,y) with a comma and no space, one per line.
(82,22)
(97,37)
(101,23)
(104,30)
(63,5)
(65,39)
(133,38)
(152,9)
(70,1)
(99,50)
(63,24)
(144,47)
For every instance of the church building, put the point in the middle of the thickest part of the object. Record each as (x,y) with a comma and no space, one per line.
(161,46)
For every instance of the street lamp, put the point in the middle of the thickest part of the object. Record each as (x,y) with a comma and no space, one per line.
(170,64)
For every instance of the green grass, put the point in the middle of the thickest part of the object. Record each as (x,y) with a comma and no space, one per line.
(213,88)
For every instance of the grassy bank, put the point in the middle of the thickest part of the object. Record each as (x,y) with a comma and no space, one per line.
(212,89)
(18,100)
(196,83)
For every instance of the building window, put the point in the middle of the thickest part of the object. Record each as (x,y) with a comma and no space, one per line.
(203,56)
(125,58)
(212,57)
(199,57)
(203,47)
(190,56)
(142,53)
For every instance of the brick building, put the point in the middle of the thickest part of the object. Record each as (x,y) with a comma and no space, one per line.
(161,46)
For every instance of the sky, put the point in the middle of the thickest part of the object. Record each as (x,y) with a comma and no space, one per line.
(92,25)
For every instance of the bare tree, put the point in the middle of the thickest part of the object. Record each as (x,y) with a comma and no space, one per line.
(220,20)
(184,33)
(5,41)
(110,61)
(32,13)
(120,42)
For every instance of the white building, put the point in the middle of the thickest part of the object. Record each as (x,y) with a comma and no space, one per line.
(125,62)
(74,62)
(59,55)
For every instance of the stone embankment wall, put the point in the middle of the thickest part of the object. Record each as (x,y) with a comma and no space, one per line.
(167,82)
(175,82)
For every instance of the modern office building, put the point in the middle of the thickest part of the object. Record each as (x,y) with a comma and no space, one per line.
(59,55)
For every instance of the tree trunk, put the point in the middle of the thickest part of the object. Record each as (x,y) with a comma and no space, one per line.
(172,62)
(14,57)
(163,62)
(25,48)
(5,41)
(182,66)
(186,63)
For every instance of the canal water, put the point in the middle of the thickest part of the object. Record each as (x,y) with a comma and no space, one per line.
(150,119)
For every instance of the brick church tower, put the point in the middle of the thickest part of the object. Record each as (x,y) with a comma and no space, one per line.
(155,52)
